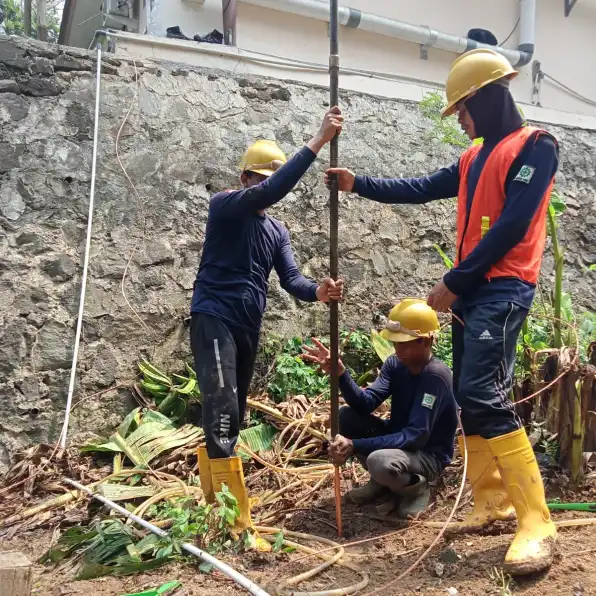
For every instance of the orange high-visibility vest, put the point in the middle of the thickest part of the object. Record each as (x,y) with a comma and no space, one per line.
(522,261)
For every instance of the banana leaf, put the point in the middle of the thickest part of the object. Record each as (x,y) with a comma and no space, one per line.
(128,566)
(119,492)
(67,543)
(153,375)
(154,434)
(130,422)
(123,566)
(382,347)
(258,438)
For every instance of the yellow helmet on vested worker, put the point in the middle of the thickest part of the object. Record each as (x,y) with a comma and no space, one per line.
(410,319)
(263,157)
(473,70)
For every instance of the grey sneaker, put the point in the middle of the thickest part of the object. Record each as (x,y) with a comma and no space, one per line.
(414,498)
(364,494)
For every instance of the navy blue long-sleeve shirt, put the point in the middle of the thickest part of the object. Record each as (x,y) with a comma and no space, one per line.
(423,408)
(242,246)
(521,203)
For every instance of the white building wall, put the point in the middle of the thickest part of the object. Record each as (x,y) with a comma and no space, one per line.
(192,16)
(564,46)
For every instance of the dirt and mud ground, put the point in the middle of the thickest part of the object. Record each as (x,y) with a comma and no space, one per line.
(464,563)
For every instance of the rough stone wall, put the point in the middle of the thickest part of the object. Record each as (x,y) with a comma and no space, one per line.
(185,135)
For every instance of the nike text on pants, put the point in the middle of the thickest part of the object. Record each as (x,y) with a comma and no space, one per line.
(483,365)
(224,361)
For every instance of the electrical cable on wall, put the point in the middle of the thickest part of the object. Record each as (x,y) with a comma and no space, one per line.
(569,90)
(512,32)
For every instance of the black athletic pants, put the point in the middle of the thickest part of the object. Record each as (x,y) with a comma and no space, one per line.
(224,358)
(483,366)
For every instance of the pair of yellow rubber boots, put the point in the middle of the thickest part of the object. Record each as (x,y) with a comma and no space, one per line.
(215,472)
(506,482)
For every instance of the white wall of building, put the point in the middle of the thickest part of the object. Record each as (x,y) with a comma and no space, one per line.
(564,46)
(192,17)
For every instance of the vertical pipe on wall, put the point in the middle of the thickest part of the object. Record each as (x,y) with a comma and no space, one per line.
(230,9)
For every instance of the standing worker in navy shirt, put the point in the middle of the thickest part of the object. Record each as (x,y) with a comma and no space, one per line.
(503,187)
(412,448)
(242,245)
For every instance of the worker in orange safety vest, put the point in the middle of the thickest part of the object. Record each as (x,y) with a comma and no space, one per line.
(503,187)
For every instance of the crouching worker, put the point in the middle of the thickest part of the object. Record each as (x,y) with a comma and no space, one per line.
(412,448)
(242,246)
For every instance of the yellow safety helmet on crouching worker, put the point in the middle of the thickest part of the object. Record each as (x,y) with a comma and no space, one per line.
(410,319)
(473,70)
(263,157)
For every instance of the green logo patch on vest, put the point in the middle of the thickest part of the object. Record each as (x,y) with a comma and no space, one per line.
(428,401)
(525,174)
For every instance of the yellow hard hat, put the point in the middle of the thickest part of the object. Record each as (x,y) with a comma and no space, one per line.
(410,319)
(473,70)
(263,157)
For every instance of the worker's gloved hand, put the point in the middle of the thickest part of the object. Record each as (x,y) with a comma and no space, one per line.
(320,355)
(441,298)
(330,289)
(340,450)
(345,178)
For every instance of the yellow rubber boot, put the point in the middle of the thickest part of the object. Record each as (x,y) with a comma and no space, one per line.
(533,547)
(205,474)
(491,501)
(229,471)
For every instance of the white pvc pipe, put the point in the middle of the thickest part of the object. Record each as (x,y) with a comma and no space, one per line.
(419,34)
(527,25)
(75,355)
(240,579)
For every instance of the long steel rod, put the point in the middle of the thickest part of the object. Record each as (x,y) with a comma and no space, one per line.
(333,247)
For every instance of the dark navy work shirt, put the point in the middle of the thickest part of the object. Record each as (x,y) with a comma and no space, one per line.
(522,200)
(242,247)
(423,408)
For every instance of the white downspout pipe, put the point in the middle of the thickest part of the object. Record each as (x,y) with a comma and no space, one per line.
(422,35)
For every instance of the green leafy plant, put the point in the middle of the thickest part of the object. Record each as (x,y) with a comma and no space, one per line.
(209,525)
(171,394)
(14,18)
(359,354)
(445,130)
(446,260)
(110,547)
(106,548)
(443,347)
(293,376)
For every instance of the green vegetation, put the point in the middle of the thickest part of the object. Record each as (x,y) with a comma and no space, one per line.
(290,375)
(110,547)
(14,18)
(445,130)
